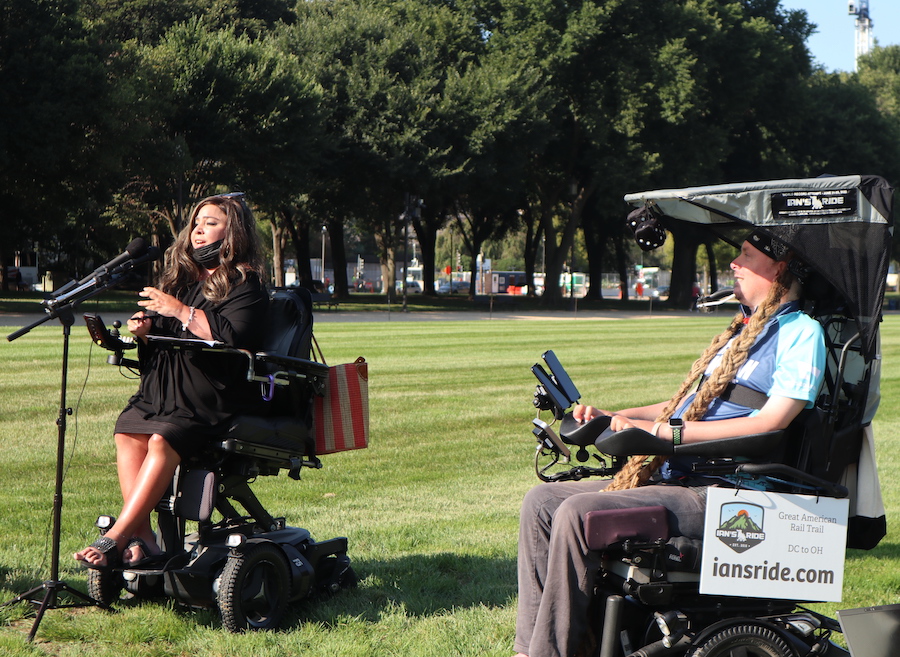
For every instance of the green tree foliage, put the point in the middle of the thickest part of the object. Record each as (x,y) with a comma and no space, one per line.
(236,112)
(879,73)
(61,132)
(384,68)
(147,21)
(518,117)
(646,92)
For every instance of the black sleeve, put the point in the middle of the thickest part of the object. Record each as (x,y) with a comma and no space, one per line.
(238,321)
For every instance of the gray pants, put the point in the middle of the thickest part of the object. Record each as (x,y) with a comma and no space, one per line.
(557,571)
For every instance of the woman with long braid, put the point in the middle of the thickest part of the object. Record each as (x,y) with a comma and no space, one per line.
(754,377)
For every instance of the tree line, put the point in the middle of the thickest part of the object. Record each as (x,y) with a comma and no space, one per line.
(502,115)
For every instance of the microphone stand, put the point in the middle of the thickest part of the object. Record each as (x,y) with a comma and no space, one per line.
(62,307)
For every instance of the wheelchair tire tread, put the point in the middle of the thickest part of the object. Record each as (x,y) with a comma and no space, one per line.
(746,640)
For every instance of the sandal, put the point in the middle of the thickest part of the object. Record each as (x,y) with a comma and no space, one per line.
(107,547)
(148,559)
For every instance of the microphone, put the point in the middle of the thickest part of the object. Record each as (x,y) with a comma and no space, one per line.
(150,254)
(137,252)
(135,249)
(716,298)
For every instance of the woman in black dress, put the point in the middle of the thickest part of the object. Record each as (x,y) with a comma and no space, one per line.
(212,290)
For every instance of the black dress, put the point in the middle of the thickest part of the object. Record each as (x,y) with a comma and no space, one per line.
(187,395)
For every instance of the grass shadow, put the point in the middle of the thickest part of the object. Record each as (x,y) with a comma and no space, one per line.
(418,585)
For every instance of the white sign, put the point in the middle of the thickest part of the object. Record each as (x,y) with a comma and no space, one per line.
(773,545)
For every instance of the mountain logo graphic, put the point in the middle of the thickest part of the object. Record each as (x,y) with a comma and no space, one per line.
(741,525)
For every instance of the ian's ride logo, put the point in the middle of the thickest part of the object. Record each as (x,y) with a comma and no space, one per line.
(741,525)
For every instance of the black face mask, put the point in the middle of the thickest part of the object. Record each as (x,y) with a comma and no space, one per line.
(207,256)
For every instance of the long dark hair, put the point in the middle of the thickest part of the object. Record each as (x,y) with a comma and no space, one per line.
(637,471)
(239,256)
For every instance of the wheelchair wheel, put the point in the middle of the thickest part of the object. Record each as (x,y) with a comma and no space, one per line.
(745,640)
(254,589)
(104,586)
(336,573)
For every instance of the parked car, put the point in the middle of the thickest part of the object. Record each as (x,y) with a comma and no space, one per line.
(452,287)
(412,287)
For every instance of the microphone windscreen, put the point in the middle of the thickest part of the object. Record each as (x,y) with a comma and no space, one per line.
(137,247)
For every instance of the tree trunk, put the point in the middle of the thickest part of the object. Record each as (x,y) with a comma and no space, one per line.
(388,269)
(622,268)
(594,239)
(426,234)
(4,279)
(338,258)
(558,253)
(277,252)
(684,264)
(533,234)
(713,267)
(299,233)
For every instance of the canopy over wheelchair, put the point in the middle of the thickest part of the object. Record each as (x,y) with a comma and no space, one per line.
(840,229)
(240,559)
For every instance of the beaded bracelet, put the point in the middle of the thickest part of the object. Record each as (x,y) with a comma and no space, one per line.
(184,326)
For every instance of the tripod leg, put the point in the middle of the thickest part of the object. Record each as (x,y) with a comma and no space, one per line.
(46,604)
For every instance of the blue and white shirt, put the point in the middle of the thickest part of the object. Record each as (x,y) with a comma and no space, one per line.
(786,360)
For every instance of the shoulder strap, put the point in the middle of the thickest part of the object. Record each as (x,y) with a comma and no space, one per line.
(744,396)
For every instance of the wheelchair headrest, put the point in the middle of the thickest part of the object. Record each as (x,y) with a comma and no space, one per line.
(289,322)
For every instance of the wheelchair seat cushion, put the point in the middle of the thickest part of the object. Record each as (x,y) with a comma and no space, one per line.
(284,433)
(606,527)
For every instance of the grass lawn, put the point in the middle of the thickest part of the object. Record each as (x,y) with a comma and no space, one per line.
(430,509)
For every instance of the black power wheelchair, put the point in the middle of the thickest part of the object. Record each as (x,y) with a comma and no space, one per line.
(242,560)
(648,588)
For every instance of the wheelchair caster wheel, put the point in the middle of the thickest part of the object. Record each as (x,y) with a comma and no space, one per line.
(254,589)
(335,574)
(104,586)
(746,640)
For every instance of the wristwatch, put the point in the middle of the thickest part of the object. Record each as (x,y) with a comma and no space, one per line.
(677,427)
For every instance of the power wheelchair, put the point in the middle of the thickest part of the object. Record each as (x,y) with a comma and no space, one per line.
(648,587)
(240,558)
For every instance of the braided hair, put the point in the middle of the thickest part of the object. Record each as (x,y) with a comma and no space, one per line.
(637,471)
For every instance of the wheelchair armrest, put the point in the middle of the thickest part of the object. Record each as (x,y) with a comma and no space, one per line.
(637,441)
(575,433)
(299,365)
(628,442)
(751,446)
(823,486)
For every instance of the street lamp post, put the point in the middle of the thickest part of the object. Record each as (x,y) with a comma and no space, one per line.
(322,276)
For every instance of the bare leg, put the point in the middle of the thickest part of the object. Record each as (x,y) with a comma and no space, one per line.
(142,491)
(131,453)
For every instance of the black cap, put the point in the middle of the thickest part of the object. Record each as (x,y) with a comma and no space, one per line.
(772,247)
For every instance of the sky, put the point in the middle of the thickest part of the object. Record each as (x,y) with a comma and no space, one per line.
(834,44)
